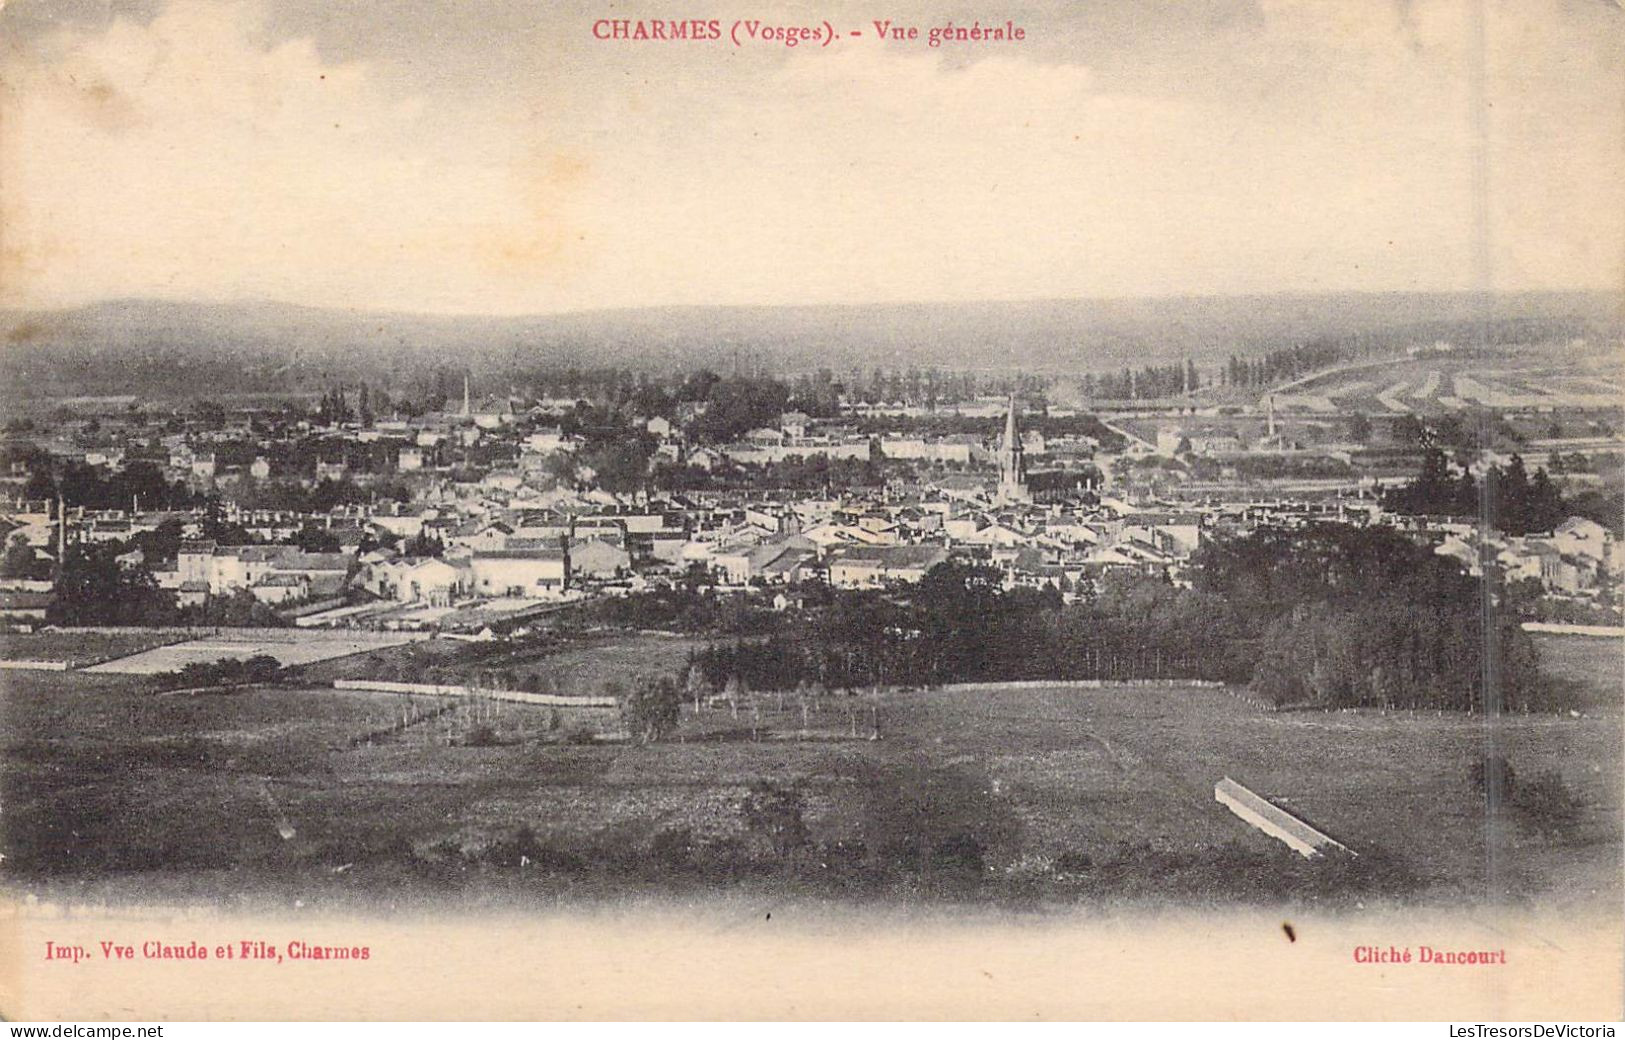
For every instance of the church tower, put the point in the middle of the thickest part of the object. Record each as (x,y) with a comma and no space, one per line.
(1012,465)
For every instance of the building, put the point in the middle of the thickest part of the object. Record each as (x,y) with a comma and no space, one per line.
(431,581)
(1579,536)
(876,566)
(273,573)
(522,573)
(1012,463)
(598,558)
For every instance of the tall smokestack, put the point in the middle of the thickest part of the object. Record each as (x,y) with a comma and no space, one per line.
(61,531)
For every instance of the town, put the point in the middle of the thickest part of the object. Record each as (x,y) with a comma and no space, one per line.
(487,510)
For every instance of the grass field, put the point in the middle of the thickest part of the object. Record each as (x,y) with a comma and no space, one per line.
(292,647)
(1597,665)
(108,785)
(1523,376)
(76,647)
(578,668)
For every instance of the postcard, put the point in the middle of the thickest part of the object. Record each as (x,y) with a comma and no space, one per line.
(791,511)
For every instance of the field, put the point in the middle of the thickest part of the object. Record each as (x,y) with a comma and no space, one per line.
(290,648)
(577,668)
(1598,665)
(1052,794)
(77,648)
(1540,376)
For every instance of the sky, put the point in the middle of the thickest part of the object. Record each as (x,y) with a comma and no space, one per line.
(488,156)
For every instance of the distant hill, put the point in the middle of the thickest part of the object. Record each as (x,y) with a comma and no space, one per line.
(167,350)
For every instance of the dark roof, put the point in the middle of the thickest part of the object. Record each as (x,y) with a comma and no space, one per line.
(519,554)
(26,600)
(895,555)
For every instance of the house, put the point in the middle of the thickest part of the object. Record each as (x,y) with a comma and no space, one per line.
(597,558)
(503,480)
(493,413)
(482,537)
(1178,534)
(997,534)
(705,458)
(224,568)
(831,534)
(1559,573)
(780,561)
(876,566)
(403,521)
(1460,550)
(611,529)
(1518,563)
(1579,536)
(430,581)
(524,573)
(278,588)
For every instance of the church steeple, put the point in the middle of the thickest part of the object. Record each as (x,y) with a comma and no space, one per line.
(1012,465)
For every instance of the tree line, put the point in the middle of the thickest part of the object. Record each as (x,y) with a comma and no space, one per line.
(1331,616)
(1170,380)
(1281,365)
(1514,502)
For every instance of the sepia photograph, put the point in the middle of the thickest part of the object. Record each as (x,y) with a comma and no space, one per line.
(536,511)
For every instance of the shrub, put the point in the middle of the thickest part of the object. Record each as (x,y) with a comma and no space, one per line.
(525,851)
(673,848)
(261,668)
(776,813)
(960,853)
(650,707)
(1494,778)
(842,857)
(1547,806)
(482,735)
(228,671)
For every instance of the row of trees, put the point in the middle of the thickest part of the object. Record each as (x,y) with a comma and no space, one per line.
(1169,380)
(961,625)
(1280,365)
(1361,617)
(335,408)
(930,387)
(1334,616)
(93,588)
(140,482)
(1514,502)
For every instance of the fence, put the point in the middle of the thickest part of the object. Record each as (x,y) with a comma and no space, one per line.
(1081,684)
(244,634)
(512,696)
(1607,631)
